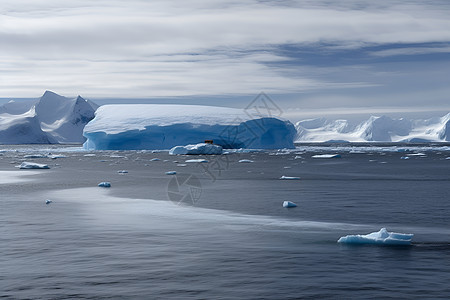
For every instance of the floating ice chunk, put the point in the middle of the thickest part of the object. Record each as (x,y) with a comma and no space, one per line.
(122,171)
(246,161)
(416,154)
(289,178)
(287,167)
(200,160)
(105,184)
(89,155)
(32,165)
(404,157)
(48,201)
(197,149)
(289,204)
(55,156)
(155,159)
(181,165)
(118,156)
(326,156)
(448,157)
(171,173)
(382,237)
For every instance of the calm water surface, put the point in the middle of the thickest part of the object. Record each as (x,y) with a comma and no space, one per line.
(236,242)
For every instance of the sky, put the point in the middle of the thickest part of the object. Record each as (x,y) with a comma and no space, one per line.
(312,57)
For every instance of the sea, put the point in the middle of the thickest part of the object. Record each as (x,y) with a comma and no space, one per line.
(217,229)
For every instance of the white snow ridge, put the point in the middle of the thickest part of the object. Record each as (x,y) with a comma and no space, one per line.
(378,129)
(52,119)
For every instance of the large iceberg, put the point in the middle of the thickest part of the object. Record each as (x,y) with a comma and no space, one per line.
(160,126)
(378,129)
(382,237)
(51,119)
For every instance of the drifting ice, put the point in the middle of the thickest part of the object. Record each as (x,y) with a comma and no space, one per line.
(158,126)
(105,184)
(171,173)
(289,204)
(200,160)
(197,149)
(326,156)
(32,165)
(289,178)
(246,161)
(382,237)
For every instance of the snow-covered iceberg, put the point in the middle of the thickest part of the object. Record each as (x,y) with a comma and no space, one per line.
(51,119)
(202,148)
(382,237)
(159,126)
(378,129)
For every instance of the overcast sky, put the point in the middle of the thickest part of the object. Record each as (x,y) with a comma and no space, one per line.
(317,55)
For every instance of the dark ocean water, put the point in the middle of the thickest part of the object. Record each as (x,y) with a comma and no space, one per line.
(236,241)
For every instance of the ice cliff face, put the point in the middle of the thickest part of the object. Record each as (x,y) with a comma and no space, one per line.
(379,129)
(50,119)
(156,126)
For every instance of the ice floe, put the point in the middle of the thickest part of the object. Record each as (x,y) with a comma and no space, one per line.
(197,149)
(199,160)
(32,165)
(171,172)
(246,161)
(382,237)
(326,156)
(289,178)
(105,184)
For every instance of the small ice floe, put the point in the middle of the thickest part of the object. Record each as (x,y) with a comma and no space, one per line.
(289,178)
(89,155)
(404,157)
(326,156)
(246,161)
(105,184)
(382,237)
(298,157)
(448,157)
(416,154)
(289,204)
(202,148)
(171,172)
(122,171)
(117,156)
(287,167)
(48,201)
(155,159)
(55,156)
(181,165)
(32,165)
(199,160)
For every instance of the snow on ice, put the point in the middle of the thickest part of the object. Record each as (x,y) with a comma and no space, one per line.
(382,237)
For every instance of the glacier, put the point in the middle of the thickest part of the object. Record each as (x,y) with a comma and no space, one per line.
(51,119)
(375,129)
(164,126)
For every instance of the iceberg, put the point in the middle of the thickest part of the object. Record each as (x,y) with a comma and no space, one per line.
(159,126)
(51,119)
(32,165)
(197,149)
(382,237)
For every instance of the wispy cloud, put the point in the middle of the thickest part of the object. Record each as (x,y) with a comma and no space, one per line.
(177,48)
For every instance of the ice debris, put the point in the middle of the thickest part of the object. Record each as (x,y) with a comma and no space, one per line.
(246,161)
(404,157)
(171,173)
(48,201)
(122,171)
(199,160)
(326,156)
(382,237)
(289,178)
(289,204)
(32,165)
(105,184)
